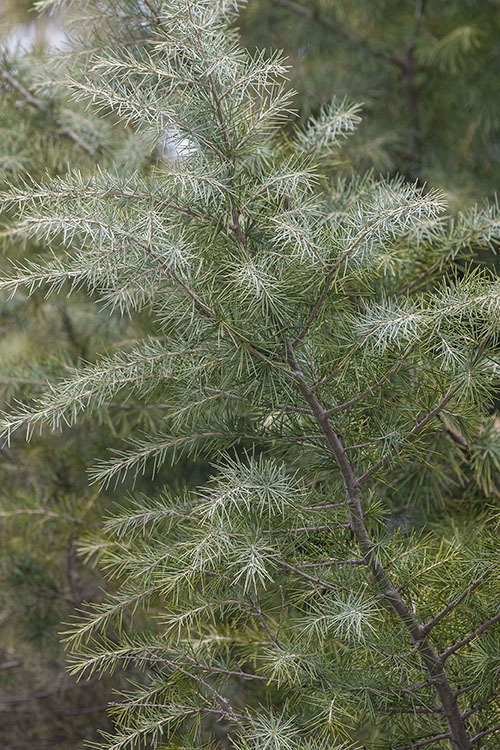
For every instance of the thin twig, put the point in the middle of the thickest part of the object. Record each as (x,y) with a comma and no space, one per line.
(11,664)
(423,743)
(496,728)
(446,610)
(416,430)
(468,638)
(307,577)
(332,563)
(369,391)
(282,614)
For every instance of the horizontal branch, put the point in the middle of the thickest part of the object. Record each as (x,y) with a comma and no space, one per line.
(412,711)
(328,506)
(330,563)
(232,672)
(307,577)
(11,664)
(302,529)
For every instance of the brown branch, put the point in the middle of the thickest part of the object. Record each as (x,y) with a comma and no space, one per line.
(254,605)
(282,613)
(414,710)
(11,664)
(260,615)
(417,280)
(423,743)
(330,563)
(319,304)
(232,672)
(358,446)
(324,381)
(224,703)
(481,704)
(307,577)
(302,529)
(413,688)
(328,506)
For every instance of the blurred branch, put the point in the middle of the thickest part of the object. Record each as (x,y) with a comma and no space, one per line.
(11,664)
(33,101)
(336,27)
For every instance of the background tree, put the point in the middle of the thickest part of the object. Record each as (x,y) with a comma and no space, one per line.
(310,340)
(426,72)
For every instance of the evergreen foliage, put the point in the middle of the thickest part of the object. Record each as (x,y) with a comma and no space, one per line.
(324,342)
